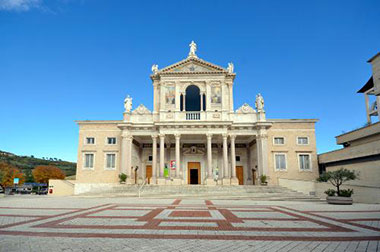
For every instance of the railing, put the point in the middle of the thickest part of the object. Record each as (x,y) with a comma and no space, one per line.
(193,115)
(142,186)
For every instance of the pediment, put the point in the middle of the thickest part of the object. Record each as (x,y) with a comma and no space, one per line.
(245,109)
(141,110)
(193,65)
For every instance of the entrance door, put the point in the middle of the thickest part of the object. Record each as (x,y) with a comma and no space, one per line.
(254,176)
(148,173)
(240,175)
(194,173)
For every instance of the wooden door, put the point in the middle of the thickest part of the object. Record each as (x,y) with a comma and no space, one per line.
(148,173)
(240,174)
(254,176)
(193,173)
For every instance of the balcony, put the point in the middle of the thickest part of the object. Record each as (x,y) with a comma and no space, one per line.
(191,116)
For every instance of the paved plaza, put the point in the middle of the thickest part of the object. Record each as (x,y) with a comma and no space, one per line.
(43,223)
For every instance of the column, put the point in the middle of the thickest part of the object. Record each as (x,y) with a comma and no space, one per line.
(231,98)
(225,157)
(249,163)
(184,101)
(177,154)
(162,155)
(262,154)
(209,156)
(233,156)
(128,156)
(201,97)
(123,156)
(367,107)
(154,158)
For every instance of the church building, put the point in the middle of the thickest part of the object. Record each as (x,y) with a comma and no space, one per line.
(194,135)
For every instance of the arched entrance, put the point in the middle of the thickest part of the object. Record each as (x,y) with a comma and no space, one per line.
(193,99)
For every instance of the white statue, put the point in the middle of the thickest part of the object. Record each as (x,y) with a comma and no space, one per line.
(230,67)
(259,103)
(128,104)
(193,49)
(155,69)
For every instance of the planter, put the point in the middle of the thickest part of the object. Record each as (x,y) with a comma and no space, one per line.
(337,200)
(264,184)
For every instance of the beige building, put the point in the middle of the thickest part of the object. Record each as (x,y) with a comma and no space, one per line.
(361,147)
(194,135)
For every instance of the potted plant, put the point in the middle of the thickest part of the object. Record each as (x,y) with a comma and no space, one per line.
(263,180)
(122,178)
(337,178)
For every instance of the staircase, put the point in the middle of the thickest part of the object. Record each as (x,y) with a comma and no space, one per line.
(260,193)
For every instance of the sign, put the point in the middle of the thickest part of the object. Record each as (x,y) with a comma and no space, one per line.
(173,165)
(15,181)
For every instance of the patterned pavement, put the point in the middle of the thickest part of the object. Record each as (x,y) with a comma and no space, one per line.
(99,224)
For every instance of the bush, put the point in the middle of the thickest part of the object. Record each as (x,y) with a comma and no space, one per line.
(337,178)
(346,193)
(122,177)
(330,192)
(263,179)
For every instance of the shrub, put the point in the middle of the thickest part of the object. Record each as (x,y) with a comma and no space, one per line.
(263,179)
(122,177)
(337,178)
(346,193)
(330,192)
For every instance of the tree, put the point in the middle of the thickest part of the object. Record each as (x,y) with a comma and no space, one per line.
(43,173)
(8,173)
(338,177)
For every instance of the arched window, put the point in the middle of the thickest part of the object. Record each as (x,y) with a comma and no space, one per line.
(193,99)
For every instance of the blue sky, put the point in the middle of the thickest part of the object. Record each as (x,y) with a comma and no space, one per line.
(66,60)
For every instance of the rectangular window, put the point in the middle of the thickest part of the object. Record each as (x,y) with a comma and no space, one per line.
(280,162)
(303,140)
(111,140)
(279,140)
(89,161)
(110,161)
(90,140)
(237,158)
(150,158)
(304,161)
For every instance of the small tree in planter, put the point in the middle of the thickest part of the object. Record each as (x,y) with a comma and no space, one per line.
(263,179)
(337,178)
(122,178)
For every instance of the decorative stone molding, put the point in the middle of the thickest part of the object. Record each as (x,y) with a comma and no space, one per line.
(141,110)
(245,109)
(232,136)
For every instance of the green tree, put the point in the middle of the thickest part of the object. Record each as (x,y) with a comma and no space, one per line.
(338,177)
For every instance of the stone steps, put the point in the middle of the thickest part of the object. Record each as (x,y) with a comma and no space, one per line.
(209,192)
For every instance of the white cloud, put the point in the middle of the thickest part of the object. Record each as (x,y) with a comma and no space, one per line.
(19,5)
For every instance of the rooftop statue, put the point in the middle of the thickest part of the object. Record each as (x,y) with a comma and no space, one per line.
(128,104)
(259,103)
(193,49)
(230,67)
(155,69)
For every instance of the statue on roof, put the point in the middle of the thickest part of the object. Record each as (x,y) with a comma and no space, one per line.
(128,104)
(155,69)
(230,68)
(193,49)
(259,103)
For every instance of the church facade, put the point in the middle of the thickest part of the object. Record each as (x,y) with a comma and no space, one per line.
(194,135)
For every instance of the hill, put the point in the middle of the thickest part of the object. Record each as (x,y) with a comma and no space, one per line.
(26,164)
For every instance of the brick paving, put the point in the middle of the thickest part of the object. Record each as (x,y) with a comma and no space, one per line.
(42,223)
